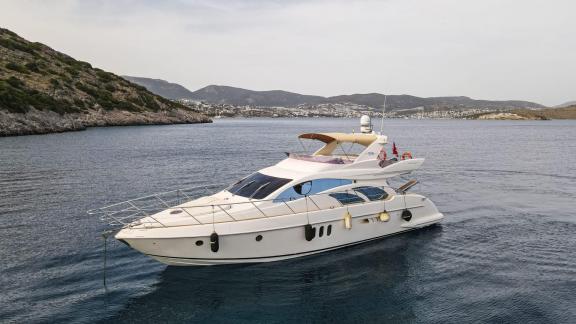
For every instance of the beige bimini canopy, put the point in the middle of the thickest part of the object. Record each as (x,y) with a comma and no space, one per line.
(332,140)
(362,139)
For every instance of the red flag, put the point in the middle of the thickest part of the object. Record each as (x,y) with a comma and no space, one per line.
(394,149)
(382,155)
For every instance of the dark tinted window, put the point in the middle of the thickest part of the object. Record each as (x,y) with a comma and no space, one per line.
(346,198)
(316,186)
(257,186)
(372,193)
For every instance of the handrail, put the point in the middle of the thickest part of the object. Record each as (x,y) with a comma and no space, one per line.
(128,213)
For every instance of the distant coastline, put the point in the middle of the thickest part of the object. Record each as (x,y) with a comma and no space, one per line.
(350,110)
(529,114)
(45,91)
(224,101)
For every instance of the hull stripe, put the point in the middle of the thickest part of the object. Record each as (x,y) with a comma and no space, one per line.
(286,255)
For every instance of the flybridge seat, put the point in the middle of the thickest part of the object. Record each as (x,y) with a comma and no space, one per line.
(321,158)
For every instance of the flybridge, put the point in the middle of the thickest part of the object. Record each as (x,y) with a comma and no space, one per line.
(362,139)
(372,142)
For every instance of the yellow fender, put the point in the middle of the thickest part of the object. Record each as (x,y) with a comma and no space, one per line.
(384,216)
(348,220)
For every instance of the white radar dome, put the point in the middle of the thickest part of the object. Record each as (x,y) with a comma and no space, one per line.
(365,124)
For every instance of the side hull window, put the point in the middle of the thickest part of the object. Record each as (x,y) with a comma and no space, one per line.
(346,198)
(372,193)
(310,188)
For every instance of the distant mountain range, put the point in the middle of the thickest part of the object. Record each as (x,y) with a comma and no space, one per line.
(238,96)
(566,104)
(277,98)
(160,87)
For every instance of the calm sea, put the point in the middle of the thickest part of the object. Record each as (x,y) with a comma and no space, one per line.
(506,251)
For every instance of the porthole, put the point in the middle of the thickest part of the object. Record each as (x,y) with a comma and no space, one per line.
(406,215)
(199,243)
(177,211)
(259,238)
(329,230)
(321,233)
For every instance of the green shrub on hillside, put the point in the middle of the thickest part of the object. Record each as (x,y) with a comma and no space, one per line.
(66,80)
(33,67)
(125,105)
(12,99)
(110,87)
(54,83)
(72,71)
(18,99)
(16,67)
(104,76)
(136,100)
(15,45)
(102,97)
(15,82)
(7,32)
(65,58)
(79,103)
(83,64)
(149,102)
(137,86)
(87,89)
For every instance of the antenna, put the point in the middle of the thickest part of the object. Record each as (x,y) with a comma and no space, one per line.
(383,111)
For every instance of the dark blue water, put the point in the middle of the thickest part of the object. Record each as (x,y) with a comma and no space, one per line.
(506,251)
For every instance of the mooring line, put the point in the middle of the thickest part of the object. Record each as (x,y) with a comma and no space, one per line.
(105,235)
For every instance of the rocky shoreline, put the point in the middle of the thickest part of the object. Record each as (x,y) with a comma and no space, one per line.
(36,122)
(509,116)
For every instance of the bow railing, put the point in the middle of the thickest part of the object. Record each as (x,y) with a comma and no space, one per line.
(141,211)
(126,212)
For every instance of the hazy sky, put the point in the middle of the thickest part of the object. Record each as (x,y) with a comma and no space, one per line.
(487,49)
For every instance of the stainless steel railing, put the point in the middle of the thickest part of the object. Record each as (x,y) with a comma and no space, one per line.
(126,212)
(140,211)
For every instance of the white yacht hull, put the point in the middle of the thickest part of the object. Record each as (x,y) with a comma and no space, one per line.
(213,261)
(282,237)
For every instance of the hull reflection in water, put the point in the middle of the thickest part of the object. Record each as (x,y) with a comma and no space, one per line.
(372,273)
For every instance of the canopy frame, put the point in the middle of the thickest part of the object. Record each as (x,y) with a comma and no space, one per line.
(333,140)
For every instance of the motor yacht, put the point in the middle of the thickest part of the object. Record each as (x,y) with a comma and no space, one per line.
(305,204)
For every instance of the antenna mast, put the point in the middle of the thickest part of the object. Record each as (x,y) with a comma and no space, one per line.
(383,111)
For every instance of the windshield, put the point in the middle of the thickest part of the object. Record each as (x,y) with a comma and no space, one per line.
(257,186)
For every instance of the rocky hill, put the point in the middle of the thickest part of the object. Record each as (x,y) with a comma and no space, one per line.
(237,96)
(566,104)
(161,87)
(45,91)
